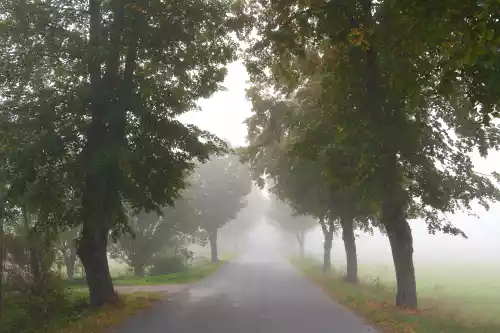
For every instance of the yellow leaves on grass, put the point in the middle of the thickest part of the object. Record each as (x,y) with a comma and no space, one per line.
(133,6)
(357,37)
(108,317)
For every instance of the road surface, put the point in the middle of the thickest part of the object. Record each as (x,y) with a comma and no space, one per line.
(255,293)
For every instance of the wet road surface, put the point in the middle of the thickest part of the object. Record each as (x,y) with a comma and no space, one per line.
(255,293)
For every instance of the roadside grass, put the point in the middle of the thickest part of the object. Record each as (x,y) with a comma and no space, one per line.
(190,275)
(73,315)
(373,300)
(470,289)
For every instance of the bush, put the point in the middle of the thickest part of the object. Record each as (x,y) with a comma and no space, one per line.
(168,265)
(28,311)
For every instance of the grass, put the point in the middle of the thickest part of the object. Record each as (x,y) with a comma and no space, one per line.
(108,317)
(374,301)
(471,290)
(190,275)
(68,313)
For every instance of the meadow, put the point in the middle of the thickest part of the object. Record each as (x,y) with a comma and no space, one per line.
(452,298)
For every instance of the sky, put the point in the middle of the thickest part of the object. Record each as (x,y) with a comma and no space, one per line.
(224,113)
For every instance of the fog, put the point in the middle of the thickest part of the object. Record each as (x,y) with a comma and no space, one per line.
(482,245)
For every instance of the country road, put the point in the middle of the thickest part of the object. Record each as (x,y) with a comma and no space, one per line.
(255,293)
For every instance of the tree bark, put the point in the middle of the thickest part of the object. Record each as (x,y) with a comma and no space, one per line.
(93,255)
(327,229)
(401,240)
(212,236)
(350,249)
(300,241)
(327,249)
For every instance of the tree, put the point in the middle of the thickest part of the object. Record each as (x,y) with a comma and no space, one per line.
(151,233)
(90,94)
(379,110)
(219,190)
(274,150)
(246,219)
(289,221)
(67,246)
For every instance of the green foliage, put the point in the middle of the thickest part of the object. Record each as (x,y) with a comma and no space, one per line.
(287,219)
(328,116)
(375,110)
(29,312)
(246,219)
(219,188)
(152,234)
(167,265)
(91,92)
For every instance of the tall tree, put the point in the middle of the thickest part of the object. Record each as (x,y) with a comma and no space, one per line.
(219,190)
(379,110)
(104,81)
(247,218)
(289,221)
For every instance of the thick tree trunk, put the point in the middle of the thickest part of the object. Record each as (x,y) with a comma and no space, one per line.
(327,249)
(300,241)
(401,241)
(350,249)
(212,236)
(93,255)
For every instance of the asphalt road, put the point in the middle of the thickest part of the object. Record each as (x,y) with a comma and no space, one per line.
(255,293)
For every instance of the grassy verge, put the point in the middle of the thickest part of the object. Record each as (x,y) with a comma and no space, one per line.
(190,275)
(109,317)
(70,314)
(374,302)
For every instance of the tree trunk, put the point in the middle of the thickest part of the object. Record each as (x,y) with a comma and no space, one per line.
(350,249)
(93,255)
(139,270)
(401,241)
(212,236)
(300,241)
(69,261)
(327,249)
(327,228)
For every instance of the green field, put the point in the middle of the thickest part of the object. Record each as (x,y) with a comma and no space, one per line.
(452,298)
(469,291)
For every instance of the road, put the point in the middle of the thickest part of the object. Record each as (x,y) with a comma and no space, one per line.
(255,293)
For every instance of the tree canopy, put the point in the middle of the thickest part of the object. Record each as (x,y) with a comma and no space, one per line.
(90,95)
(380,103)
(219,190)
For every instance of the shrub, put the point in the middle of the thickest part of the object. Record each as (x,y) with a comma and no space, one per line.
(168,265)
(29,309)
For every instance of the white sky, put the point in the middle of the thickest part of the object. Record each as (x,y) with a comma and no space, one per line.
(223,115)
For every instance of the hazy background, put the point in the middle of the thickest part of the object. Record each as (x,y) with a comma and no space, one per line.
(466,271)
(224,113)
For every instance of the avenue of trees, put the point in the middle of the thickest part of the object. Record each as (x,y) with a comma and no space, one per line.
(365,114)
